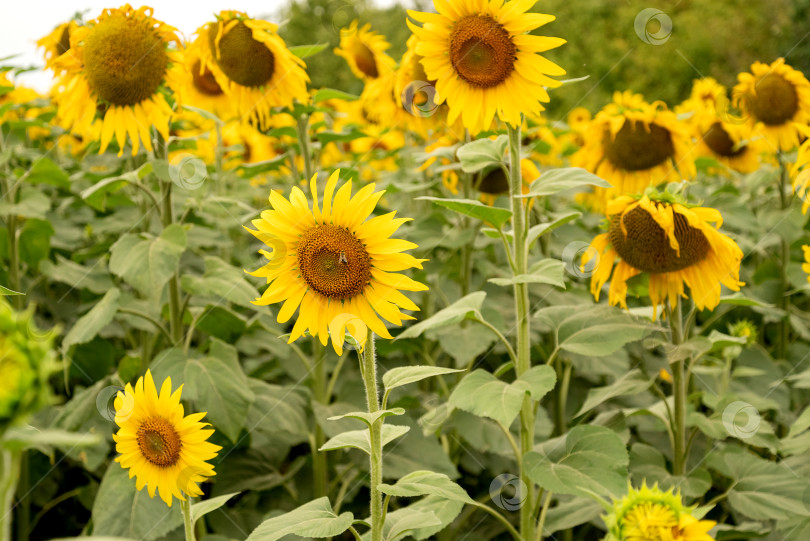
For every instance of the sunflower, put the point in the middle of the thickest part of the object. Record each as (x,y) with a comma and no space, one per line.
(484,61)
(495,182)
(416,93)
(774,98)
(650,514)
(806,264)
(161,448)
(57,42)
(706,94)
(443,151)
(364,50)
(202,89)
(672,243)
(251,64)
(118,64)
(334,262)
(800,170)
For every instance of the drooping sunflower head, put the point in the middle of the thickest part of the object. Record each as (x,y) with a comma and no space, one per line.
(118,66)
(650,514)
(674,244)
(706,93)
(57,42)
(774,98)
(494,182)
(202,89)
(164,450)
(415,92)
(364,50)
(333,263)
(484,60)
(251,64)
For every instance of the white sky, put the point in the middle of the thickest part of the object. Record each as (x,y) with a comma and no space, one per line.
(22,22)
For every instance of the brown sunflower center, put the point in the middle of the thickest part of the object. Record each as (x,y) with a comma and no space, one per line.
(774,100)
(333,262)
(242,58)
(718,139)
(63,45)
(124,59)
(159,442)
(481,51)
(494,182)
(637,147)
(204,80)
(364,59)
(646,246)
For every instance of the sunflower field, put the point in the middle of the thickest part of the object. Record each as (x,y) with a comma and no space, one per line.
(415,286)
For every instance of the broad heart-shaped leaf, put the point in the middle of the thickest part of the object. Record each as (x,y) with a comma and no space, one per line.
(421,483)
(147,264)
(218,385)
(204,507)
(546,271)
(539,230)
(222,281)
(482,394)
(313,519)
(44,170)
(403,375)
(467,306)
(469,207)
(359,439)
(482,153)
(565,178)
(633,382)
(369,418)
(539,380)
(403,522)
(588,460)
(91,323)
(119,509)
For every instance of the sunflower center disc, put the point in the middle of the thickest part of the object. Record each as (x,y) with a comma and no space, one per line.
(205,82)
(774,101)
(494,182)
(333,262)
(481,51)
(159,442)
(64,42)
(124,59)
(364,58)
(637,147)
(646,246)
(718,139)
(244,60)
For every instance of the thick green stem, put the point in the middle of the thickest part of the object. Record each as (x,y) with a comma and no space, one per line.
(679,391)
(14,261)
(783,336)
(369,369)
(175,315)
(306,150)
(9,473)
(188,523)
(562,397)
(520,255)
(319,465)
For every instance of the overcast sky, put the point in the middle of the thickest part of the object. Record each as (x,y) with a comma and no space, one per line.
(23,22)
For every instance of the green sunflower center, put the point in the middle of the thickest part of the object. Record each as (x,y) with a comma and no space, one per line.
(494,182)
(159,442)
(364,59)
(637,147)
(333,262)
(774,100)
(63,45)
(124,60)
(718,139)
(481,51)
(242,58)
(204,80)
(646,246)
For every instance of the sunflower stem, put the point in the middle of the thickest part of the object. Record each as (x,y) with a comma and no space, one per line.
(13,244)
(306,149)
(783,336)
(319,466)
(167,219)
(369,370)
(679,390)
(527,414)
(188,522)
(9,473)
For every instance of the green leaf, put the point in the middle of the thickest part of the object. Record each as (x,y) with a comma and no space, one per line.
(29,437)
(4,291)
(470,207)
(95,538)
(249,170)
(200,509)
(403,375)
(89,325)
(444,510)
(740,299)
(330,136)
(539,380)
(588,460)
(222,281)
(222,323)
(359,439)
(403,521)
(466,307)
(96,194)
(546,271)
(305,51)
(368,418)
(484,395)
(46,171)
(539,230)
(94,279)
(482,153)
(324,94)
(35,242)
(147,264)
(647,463)
(565,178)
(633,382)
(313,519)
(32,203)
(421,483)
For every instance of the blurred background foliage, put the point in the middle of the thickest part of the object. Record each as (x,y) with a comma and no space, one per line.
(709,38)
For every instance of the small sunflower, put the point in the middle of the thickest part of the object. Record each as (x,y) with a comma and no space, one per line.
(202,89)
(495,182)
(57,42)
(364,50)
(334,262)
(161,448)
(485,61)
(251,64)
(706,94)
(650,514)
(775,98)
(119,64)
(801,169)
(806,264)
(672,243)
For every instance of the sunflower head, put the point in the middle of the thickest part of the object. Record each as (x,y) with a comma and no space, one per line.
(744,328)
(364,50)
(57,42)
(164,450)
